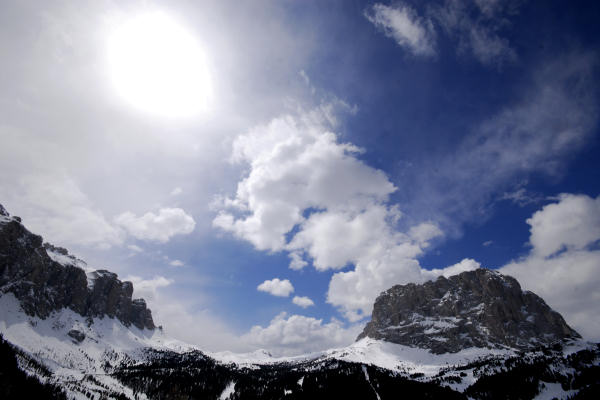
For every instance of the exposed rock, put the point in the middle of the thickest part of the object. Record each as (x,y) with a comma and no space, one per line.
(77,335)
(56,249)
(46,278)
(480,308)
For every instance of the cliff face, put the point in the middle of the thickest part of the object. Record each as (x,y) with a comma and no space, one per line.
(46,278)
(480,308)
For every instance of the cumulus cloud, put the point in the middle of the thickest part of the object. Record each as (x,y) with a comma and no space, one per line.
(571,224)
(296,164)
(303,301)
(297,334)
(157,227)
(310,195)
(402,24)
(563,266)
(277,287)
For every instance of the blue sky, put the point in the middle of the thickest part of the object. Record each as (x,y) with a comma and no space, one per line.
(372,143)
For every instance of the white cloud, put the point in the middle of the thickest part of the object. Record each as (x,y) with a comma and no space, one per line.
(424,232)
(571,224)
(563,266)
(177,191)
(147,288)
(466,264)
(297,334)
(176,263)
(402,24)
(54,206)
(521,197)
(297,262)
(303,301)
(296,164)
(276,287)
(135,248)
(478,29)
(336,238)
(157,227)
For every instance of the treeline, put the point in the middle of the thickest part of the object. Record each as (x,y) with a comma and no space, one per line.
(16,384)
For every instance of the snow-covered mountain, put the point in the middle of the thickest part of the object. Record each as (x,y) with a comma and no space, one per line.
(79,332)
(480,308)
(45,278)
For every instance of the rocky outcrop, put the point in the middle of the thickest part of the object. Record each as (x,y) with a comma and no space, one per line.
(480,308)
(46,278)
(76,335)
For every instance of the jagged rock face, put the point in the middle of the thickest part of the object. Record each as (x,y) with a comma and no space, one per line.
(480,308)
(43,285)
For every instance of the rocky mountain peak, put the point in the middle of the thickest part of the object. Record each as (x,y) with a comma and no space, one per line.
(480,308)
(46,278)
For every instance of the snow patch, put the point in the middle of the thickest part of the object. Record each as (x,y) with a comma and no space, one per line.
(228,391)
(409,360)
(550,391)
(364,368)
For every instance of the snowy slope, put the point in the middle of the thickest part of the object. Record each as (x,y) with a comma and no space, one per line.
(107,343)
(379,353)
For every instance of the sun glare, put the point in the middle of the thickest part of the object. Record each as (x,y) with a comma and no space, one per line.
(159,67)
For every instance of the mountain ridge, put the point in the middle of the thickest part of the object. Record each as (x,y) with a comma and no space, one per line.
(45,278)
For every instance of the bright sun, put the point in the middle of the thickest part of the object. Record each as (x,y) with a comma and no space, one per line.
(158,67)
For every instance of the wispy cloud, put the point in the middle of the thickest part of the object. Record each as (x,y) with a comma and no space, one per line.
(539,133)
(477,28)
(521,197)
(402,24)
(134,248)
(475,25)
(176,263)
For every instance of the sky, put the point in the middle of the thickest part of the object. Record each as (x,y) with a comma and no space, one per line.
(262,170)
